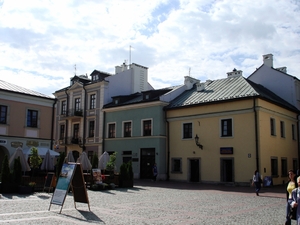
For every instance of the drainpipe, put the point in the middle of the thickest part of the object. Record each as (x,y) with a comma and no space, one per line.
(103,132)
(168,147)
(67,124)
(84,118)
(256,134)
(297,118)
(52,123)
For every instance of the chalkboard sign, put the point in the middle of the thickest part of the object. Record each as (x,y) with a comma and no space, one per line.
(49,181)
(78,186)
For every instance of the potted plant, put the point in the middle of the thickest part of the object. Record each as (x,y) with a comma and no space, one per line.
(35,160)
(126,175)
(5,176)
(110,166)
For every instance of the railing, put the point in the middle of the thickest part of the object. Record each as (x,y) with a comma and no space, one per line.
(73,112)
(71,141)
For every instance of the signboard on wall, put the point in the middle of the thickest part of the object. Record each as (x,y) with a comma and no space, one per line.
(226,150)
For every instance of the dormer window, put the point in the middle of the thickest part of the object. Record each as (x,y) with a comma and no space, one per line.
(116,101)
(147,97)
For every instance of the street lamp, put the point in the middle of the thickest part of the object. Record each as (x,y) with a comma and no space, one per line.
(197,142)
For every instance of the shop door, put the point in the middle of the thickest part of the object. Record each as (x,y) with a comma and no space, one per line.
(147,162)
(194,168)
(227,170)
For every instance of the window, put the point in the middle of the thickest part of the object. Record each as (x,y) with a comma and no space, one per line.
(272,126)
(3,114)
(295,164)
(187,130)
(147,127)
(63,107)
(226,128)
(77,104)
(284,170)
(112,130)
(274,167)
(127,129)
(32,118)
(282,129)
(75,139)
(293,132)
(62,132)
(92,101)
(92,128)
(176,165)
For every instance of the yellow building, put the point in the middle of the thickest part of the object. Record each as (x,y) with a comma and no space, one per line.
(222,131)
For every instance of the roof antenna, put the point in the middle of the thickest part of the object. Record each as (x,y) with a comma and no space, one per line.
(129,55)
(189,71)
(75,69)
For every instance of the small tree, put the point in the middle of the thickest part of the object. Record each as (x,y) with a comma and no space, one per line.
(5,171)
(110,166)
(95,161)
(35,159)
(17,172)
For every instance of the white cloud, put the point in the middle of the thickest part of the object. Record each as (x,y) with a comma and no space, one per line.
(42,40)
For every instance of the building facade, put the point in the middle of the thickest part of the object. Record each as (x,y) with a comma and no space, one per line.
(222,131)
(26,119)
(79,116)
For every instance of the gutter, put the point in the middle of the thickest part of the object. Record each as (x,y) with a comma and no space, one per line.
(256,134)
(168,146)
(84,118)
(52,123)
(67,114)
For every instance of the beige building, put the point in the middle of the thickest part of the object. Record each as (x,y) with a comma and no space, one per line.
(221,131)
(26,119)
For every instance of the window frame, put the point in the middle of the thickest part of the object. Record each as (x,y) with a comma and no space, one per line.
(125,132)
(92,101)
(274,166)
(282,129)
(91,128)
(77,104)
(62,132)
(111,133)
(187,130)
(174,166)
(272,126)
(226,130)
(32,120)
(63,107)
(3,114)
(147,131)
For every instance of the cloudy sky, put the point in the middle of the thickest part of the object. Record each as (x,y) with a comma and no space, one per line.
(42,40)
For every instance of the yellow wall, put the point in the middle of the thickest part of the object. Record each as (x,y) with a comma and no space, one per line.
(206,122)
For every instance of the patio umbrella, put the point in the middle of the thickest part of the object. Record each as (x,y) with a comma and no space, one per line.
(47,163)
(41,151)
(70,157)
(24,163)
(84,161)
(103,160)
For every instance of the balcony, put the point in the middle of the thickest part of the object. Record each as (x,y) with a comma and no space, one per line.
(71,141)
(73,113)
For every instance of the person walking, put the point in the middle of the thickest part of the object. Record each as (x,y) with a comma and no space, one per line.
(295,200)
(154,172)
(256,181)
(290,186)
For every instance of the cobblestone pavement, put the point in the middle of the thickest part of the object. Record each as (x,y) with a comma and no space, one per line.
(161,202)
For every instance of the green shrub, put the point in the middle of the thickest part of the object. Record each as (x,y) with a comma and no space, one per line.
(110,166)
(5,171)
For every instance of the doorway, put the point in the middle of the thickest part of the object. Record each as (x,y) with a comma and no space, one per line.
(227,170)
(194,170)
(147,162)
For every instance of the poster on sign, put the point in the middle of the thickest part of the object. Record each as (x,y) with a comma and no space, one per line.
(63,184)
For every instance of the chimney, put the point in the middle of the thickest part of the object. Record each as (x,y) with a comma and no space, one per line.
(189,82)
(268,60)
(202,86)
(282,69)
(235,73)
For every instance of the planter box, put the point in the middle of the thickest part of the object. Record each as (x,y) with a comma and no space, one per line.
(25,190)
(125,183)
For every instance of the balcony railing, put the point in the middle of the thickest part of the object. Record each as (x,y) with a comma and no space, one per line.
(73,112)
(71,141)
